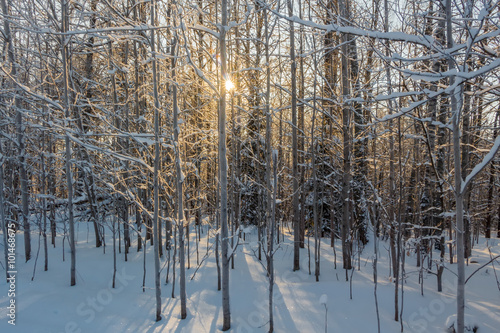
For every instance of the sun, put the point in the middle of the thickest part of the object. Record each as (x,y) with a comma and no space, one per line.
(229,85)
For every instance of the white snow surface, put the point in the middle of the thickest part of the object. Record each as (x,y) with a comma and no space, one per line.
(469,322)
(49,304)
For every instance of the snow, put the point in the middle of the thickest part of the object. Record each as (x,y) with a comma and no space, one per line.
(415,137)
(145,139)
(397,95)
(479,167)
(49,304)
(470,323)
(205,29)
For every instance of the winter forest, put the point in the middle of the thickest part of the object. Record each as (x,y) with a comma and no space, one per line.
(250,166)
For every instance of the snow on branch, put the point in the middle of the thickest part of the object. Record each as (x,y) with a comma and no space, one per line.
(424,40)
(398,95)
(396,36)
(205,29)
(478,168)
(112,153)
(27,90)
(433,77)
(430,94)
(198,72)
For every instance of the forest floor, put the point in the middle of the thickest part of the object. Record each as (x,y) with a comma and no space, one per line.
(48,303)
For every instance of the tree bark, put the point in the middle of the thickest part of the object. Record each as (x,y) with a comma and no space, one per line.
(271,242)
(180,180)
(69,176)
(346,169)
(295,200)
(459,198)
(493,171)
(156,204)
(2,214)
(270,190)
(19,133)
(226,311)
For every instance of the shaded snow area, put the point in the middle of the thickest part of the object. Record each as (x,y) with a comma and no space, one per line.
(50,304)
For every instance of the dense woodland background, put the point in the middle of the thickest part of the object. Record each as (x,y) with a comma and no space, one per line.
(349,120)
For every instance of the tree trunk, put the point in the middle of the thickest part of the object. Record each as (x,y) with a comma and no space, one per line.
(317,219)
(296,212)
(301,135)
(491,186)
(69,177)
(19,132)
(2,214)
(270,191)
(465,148)
(180,180)
(88,176)
(223,174)
(271,242)
(156,204)
(44,201)
(459,198)
(346,170)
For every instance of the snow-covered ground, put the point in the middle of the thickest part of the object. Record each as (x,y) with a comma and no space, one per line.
(50,304)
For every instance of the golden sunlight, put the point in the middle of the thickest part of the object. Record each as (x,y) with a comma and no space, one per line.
(229,85)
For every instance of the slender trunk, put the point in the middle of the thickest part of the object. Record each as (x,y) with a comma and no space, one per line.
(400,248)
(487,232)
(490,212)
(217,255)
(346,171)
(237,157)
(223,174)
(114,250)
(180,180)
(2,213)
(296,212)
(156,203)
(460,227)
(271,242)
(52,192)
(269,205)
(466,142)
(317,223)
(375,231)
(87,173)
(44,202)
(126,175)
(301,130)
(69,177)
(174,260)
(270,211)
(459,197)
(168,245)
(393,246)
(138,129)
(498,216)
(19,132)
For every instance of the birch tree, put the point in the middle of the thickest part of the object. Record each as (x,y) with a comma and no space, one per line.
(223,174)
(11,58)
(295,180)
(180,181)
(69,177)
(156,204)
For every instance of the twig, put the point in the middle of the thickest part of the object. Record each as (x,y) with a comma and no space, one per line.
(202,260)
(494,270)
(477,270)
